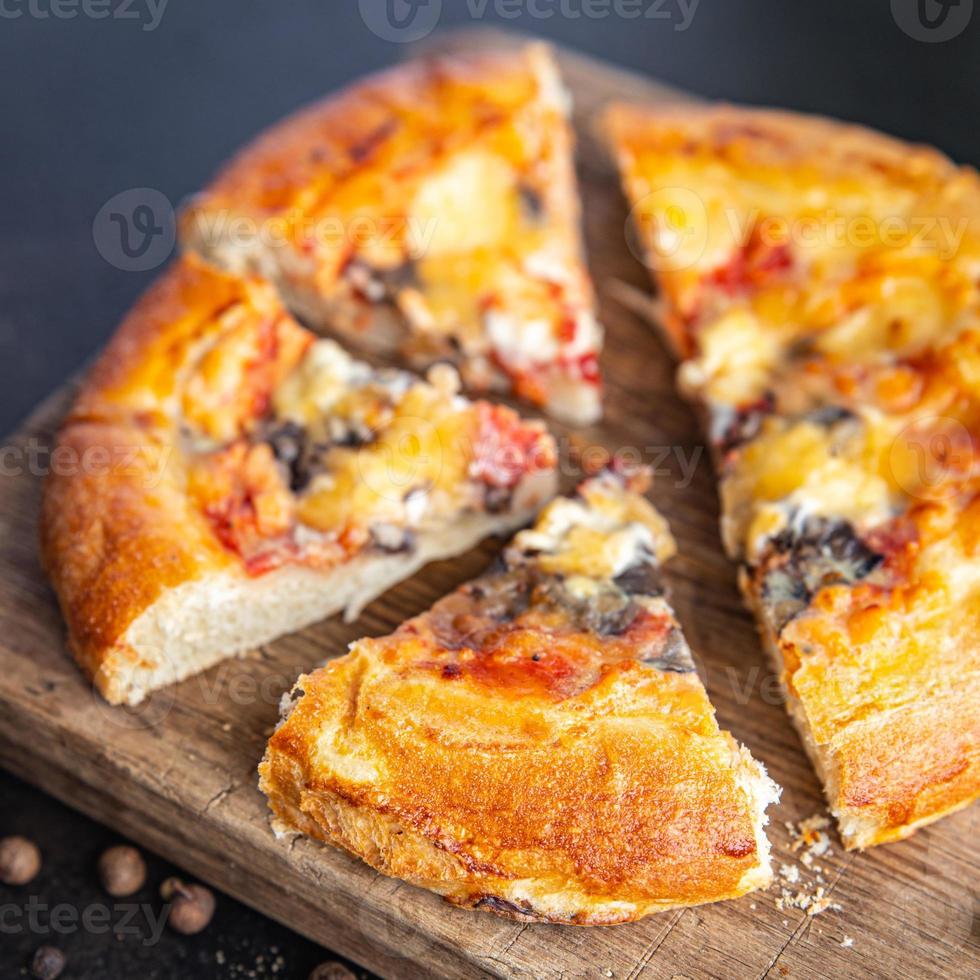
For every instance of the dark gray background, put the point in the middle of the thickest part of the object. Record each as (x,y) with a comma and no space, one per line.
(93,107)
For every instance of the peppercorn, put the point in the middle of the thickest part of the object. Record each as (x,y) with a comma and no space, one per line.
(48,963)
(192,908)
(20,860)
(331,971)
(122,870)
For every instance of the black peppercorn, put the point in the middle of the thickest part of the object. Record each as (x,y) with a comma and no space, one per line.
(48,963)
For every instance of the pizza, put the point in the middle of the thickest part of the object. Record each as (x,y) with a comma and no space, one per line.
(430,211)
(821,285)
(227,476)
(538,744)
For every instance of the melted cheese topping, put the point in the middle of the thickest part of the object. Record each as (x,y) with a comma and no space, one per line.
(599,534)
(446,188)
(835,340)
(795,471)
(808,266)
(737,356)
(472,203)
(323,377)
(374,456)
(424,447)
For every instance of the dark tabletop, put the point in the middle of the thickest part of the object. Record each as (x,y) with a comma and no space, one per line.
(101,97)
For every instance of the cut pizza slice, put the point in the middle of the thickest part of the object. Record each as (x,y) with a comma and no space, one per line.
(229,477)
(430,210)
(538,744)
(820,283)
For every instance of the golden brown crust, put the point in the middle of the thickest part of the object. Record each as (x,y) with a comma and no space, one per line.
(833,368)
(177,484)
(537,745)
(115,535)
(770,137)
(117,526)
(372,133)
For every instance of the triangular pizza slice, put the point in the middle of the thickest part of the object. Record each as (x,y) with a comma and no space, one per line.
(429,210)
(538,744)
(225,476)
(821,284)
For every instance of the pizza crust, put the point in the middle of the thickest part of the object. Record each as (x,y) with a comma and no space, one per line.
(369,212)
(149,593)
(537,745)
(895,748)
(878,821)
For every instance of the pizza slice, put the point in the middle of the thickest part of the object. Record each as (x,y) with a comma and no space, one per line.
(538,744)
(429,210)
(820,284)
(225,477)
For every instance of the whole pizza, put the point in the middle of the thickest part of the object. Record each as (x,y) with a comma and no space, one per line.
(302,404)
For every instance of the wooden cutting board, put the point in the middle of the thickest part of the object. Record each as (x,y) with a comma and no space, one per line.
(178,774)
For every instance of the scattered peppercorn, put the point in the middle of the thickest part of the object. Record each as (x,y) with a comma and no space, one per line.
(169,887)
(332,971)
(122,870)
(48,963)
(192,906)
(20,860)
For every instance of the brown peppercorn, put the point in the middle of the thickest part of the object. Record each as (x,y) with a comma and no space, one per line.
(48,963)
(331,971)
(20,860)
(122,870)
(192,906)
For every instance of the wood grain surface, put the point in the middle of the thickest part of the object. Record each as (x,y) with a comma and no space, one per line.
(178,773)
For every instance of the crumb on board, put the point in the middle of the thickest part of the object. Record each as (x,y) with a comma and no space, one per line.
(790,873)
(847,942)
(809,839)
(813,904)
